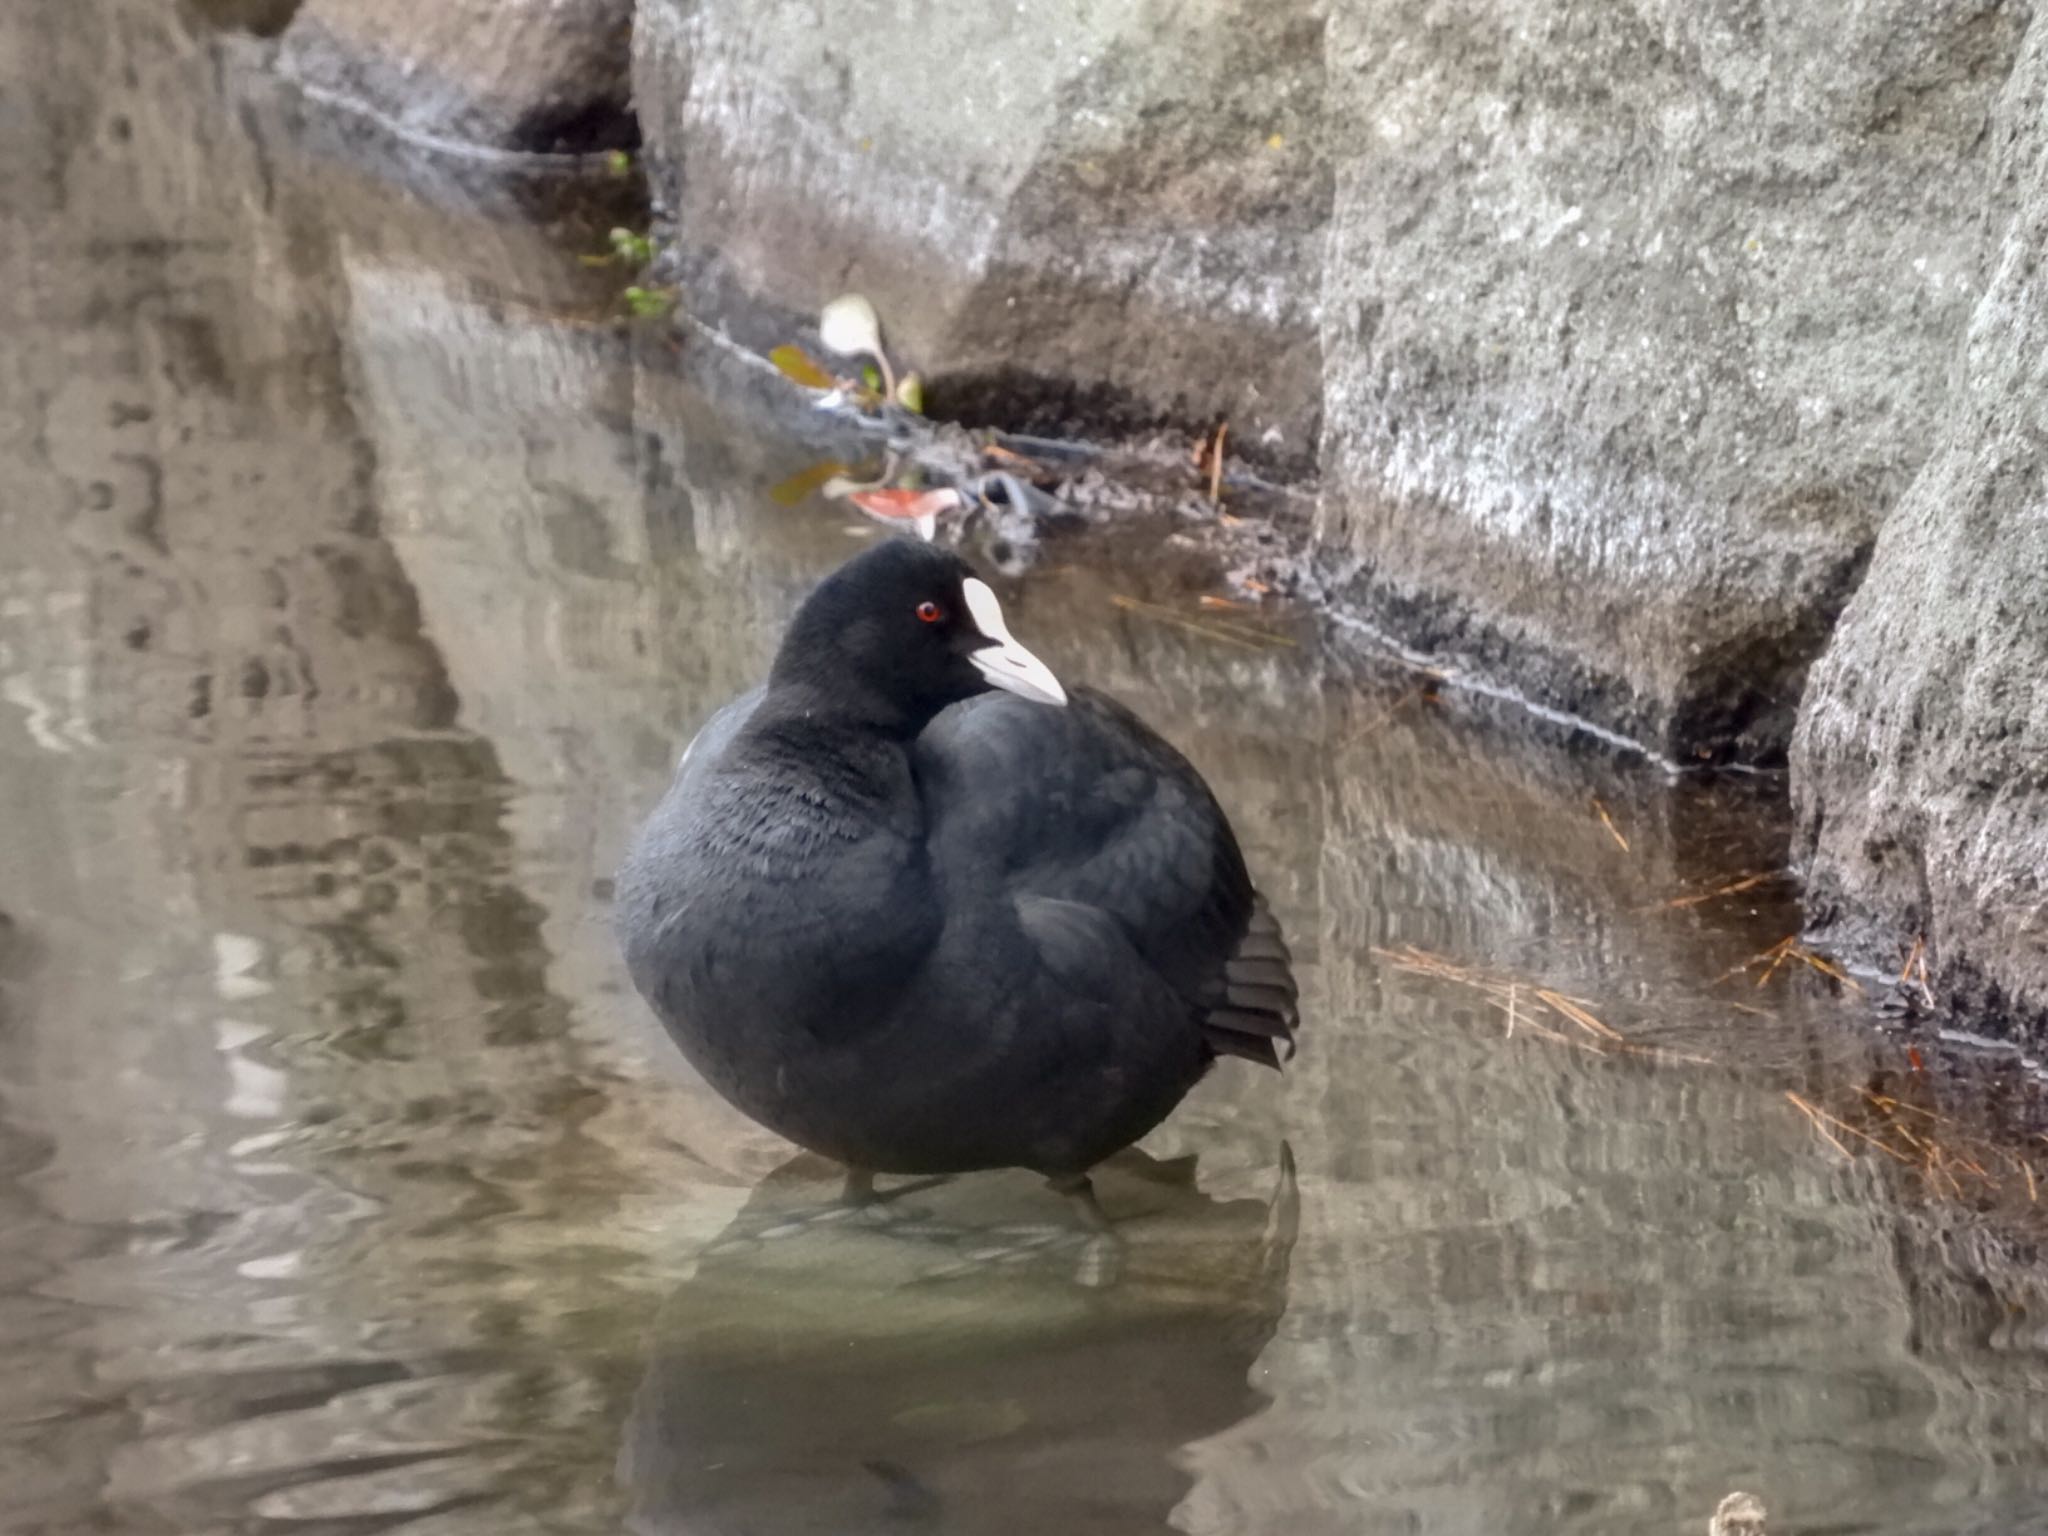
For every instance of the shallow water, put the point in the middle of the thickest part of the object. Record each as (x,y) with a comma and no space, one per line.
(361,580)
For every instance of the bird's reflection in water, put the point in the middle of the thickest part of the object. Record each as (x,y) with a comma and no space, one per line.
(944,1361)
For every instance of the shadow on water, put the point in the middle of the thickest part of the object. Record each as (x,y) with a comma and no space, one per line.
(932,1363)
(362,576)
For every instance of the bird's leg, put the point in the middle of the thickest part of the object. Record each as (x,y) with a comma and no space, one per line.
(1080,1193)
(1101,1260)
(859,1188)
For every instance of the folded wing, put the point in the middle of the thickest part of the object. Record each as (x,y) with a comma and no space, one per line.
(1088,805)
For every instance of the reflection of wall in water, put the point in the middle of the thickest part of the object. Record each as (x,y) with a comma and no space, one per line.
(593,598)
(1539,1292)
(289,981)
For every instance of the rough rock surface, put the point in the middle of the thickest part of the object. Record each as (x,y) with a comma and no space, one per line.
(1636,320)
(525,75)
(1611,335)
(1921,761)
(1623,327)
(1099,211)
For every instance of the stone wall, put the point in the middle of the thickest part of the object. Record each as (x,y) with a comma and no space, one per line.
(1635,320)
(1921,764)
(1099,215)
(1610,335)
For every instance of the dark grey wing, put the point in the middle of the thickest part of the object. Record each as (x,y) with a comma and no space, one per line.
(643,886)
(712,738)
(1087,804)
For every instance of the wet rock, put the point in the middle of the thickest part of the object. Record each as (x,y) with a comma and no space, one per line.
(527,75)
(1635,321)
(1921,762)
(1611,335)
(1066,214)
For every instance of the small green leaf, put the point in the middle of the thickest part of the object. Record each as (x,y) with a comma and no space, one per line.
(649,303)
(871,376)
(910,393)
(619,163)
(796,365)
(637,249)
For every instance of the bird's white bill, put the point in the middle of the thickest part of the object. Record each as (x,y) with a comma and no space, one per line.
(1006,664)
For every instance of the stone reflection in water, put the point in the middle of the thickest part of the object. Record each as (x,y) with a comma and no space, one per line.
(930,1364)
(284,1077)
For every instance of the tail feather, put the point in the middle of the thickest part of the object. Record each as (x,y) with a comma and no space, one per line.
(1257,1007)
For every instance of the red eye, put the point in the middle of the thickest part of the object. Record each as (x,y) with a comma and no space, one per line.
(930,611)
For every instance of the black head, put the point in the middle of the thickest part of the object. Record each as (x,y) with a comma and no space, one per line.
(902,630)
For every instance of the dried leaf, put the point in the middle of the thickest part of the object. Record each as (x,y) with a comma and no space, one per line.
(807,482)
(797,365)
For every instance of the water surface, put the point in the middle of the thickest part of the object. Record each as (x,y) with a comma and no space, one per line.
(361,579)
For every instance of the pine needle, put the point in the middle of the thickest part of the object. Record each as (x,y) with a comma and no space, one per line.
(1826,967)
(1915,969)
(1812,1109)
(1777,955)
(1578,1015)
(1229,634)
(1382,717)
(1912,959)
(1607,821)
(1813,1119)
(1746,883)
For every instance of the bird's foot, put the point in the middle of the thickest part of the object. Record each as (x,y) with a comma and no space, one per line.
(858,1201)
(1101,1260)
(1080,1193)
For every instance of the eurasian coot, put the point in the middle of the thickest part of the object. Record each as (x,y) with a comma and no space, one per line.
(916,907)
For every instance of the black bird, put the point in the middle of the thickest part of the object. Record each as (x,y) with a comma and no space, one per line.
(918,908)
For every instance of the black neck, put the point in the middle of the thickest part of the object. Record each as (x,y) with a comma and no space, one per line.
(846,703)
